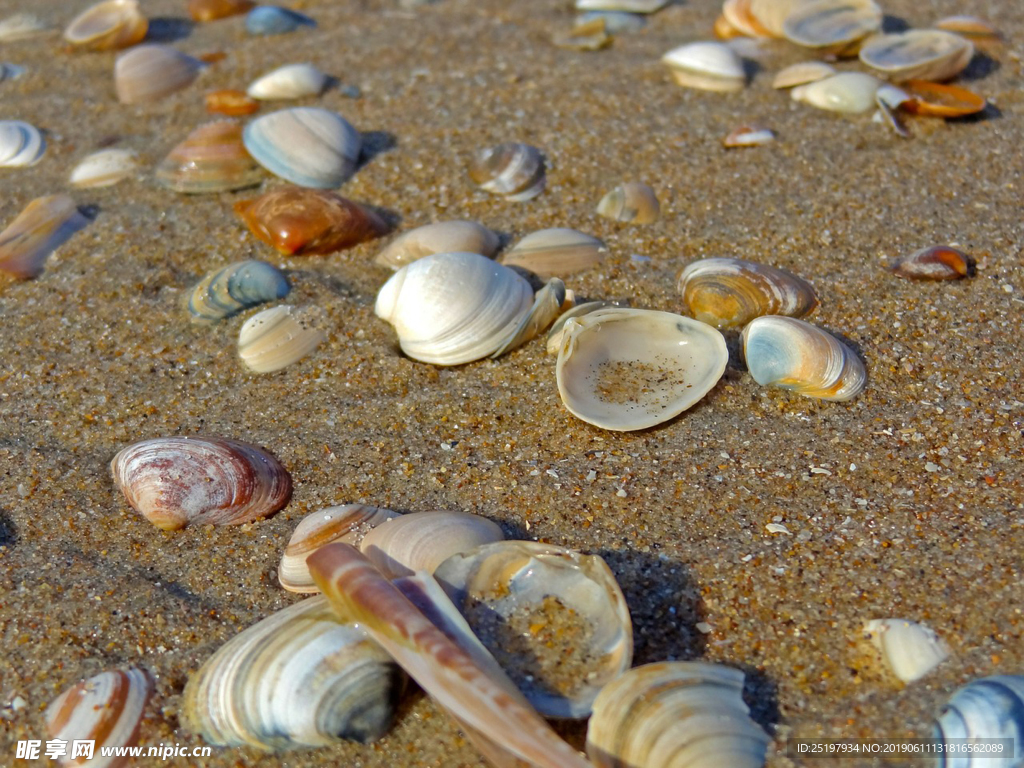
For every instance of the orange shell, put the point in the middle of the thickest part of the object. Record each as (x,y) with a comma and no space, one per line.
(231,102)
(940,99)
(211,10)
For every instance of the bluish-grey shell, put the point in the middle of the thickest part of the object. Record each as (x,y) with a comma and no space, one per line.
(234,288)
(989,708)
(272,20)
(308,146)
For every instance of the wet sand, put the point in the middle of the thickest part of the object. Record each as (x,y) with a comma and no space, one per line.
(905,502)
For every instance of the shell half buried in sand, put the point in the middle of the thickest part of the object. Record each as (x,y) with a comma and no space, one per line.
(277,337)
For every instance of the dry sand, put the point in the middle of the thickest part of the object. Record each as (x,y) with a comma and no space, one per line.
(904,502)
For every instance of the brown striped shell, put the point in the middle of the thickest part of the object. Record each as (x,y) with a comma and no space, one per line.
(177,481)
(45,224)
(151,71)
(938,262)
(557,252)
(211,159)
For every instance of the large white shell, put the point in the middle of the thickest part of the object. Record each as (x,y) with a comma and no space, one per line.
(440,237)
(989,708)
(308,146)
(834,26)
(626,369)
(21,144)
(918,54)
(910,650)
(708,65)
(277,337)
(152,71)
(292,81)
(104,168)
(850,92)
(299,678)
(451,308)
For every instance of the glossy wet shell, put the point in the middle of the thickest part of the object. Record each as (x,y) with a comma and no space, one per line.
(104,168)
(849,92)
(557,252)
(440,237)
(628,6)
(513,170)
(45,225)
(918,54)
(553,342)
(941,99)
(178,481)
(626,369)
(292,81)
(210,159)
(988,708)
(106,26)
(276,338)
(908,649)
(211,10)
(21,144)
(937,262)
(632,202)
(236,287)
(706,65)
(152,71)
(832,26)
(299,678)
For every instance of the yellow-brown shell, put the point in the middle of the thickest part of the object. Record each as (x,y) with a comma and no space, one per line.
(231,102)
(211,159)
(631,202)
(211,10)
(45,224)
(513,169)
(941,99)
(106,26)
(937,262)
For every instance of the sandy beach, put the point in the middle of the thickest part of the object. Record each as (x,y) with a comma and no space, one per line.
(906,502)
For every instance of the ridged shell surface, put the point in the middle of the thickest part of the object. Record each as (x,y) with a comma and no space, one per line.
(308,146)
(909,650)
(729,293)
(292,81)
(277,337)
(790,354)
(513,170)
(738,18)
(152,71)
(104,168)
(632,202)
(21,144)
(987,708)
(211,10)
(557,252)
(299,678)
(452,308)
(440,237)
(706,65)
(937,262)
(274,20)
(832,26)
(918,54)
(626,369)
(347,523)
(675,714)
(236,287)
(421,541)
(849,92)
(178,481)
(108,25)
(211,159)
(45,225)
(107,709)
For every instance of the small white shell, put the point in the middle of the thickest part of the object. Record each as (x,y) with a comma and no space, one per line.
(104,168)
(440,237)
(918,54)
(910,650)
(512,169)
(748,136)
(292,81)
(850,92)
(707,65)
(801,73)
(275,338)
(21,144)
(152,71)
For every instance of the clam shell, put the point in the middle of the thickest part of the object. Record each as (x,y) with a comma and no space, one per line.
(729,293)
(277,337)
(771,15)
(555,335)
(941,100)
(557,252)
(104,168)
(801,73)
(477,695)
(631,202)
(738,16)
(107,25)
(627,369)
(971,27)
(452,308)
(441,237)
(177,481)
(273,20)
(308,146)
(21,144)
(708,66)
(292,81)
(230,102)
(832,26)
(850,92)
(675,713)
(43,227)
(513,170)
(988,708)
(22,26)
(348,523)
(790,354)
(937,262)
(748,136)
(421,541)
(152,71)
(547,305)
(918,54)
(615,22)
(211,159)
(298,221)
(555,619)
(584,36)
(237,286)
(299,678)
(211,10)
(107,709)
(909,650)
(627,6)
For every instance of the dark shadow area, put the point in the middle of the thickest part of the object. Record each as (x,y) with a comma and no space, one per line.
(376,143)
(89,211)
(392,219)
(167,29)
(990,112)
(536,283)
(8,533)
(349,91)
(734,344)
(761,694)
(751,69)
(892,25)
(979,67)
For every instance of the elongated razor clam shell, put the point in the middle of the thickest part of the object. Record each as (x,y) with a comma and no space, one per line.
(21,144)
(308,146)
(918,54)
(347,523)
(277,337)
(513,170)
(104,168)
(557,252)
(850,92)
(832,26)
(43,227)
(107,25)
(211,10)
(211,159)
(937,262)
(273,20)
(152,71)
(631,202)
(236,287)
(706,65)
(299,678)
(292,81)
(178,481)
(440,237)
(987,708)
(107,709)
(909,650)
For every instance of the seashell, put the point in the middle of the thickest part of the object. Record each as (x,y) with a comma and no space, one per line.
(211,159)
(22,26)
(890,99)
(277,337)
(104,168)
(557,252)
(308,146)
(988,708)
(106,708)
(106,26)
(292,81)
(724,30)
(937,262)
(802,73)
(626,6)
(513,170)
(211,10)
(918,54)
(567,604)
(708,66)
(791,354)
(441,237)
(178,481)
(299,678)
(452,308)
(972,27)
(675,713)
(771,15)
(832,26)
(298,221)
(615,22)
(231,102)
(11,71)
(547,305)
(729,293)
(348,523)
(21,144)
(909,650)
(941,100)
(584,36)
(849,92)
(632,202)
(557,331)
(272,20)
(43,227)
(236,287)
(738,17)
(475,693)
(421,541)
(626,369)
(748,136)
(152,71)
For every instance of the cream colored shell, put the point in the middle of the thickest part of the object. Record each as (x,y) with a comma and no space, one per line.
(918,54)
(277,337)
(292,81)
(832,26)
(632,202)
(152,71)
(910,650)
(850,92)
(440,237)
(557,252)
(707,65)
(801,73)
(104,168)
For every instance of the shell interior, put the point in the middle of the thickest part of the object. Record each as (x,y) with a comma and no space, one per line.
(918,54)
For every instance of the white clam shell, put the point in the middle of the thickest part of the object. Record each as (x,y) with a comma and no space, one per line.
(308,146)
(624,369)
(21,144)
(988,708)
(707,65)
(918,54)
(451,308)
(801,73)
(627,6)
(152,71)
(910,650)
(104,168)
(547,305)
(277,337)
(440,237)
(832,25)
(850,92)
(292,81)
